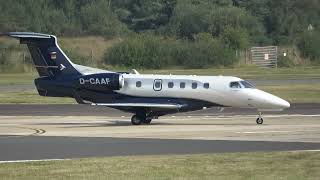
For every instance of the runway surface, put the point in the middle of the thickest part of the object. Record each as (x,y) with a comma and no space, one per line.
(88,110)
(34,132)
(34,148)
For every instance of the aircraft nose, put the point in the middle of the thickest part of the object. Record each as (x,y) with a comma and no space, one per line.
(281,103)
(271,101)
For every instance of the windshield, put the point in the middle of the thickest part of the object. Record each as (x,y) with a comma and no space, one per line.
(246,84)
(235,85)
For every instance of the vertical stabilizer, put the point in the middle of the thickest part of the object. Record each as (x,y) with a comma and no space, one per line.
(48,58)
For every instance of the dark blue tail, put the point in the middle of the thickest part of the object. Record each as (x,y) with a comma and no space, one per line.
(49,59)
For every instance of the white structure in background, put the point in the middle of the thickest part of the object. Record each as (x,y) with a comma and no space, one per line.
(264,56)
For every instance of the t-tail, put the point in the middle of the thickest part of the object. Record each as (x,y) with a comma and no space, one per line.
(48,58)
(59,77)
(55,69)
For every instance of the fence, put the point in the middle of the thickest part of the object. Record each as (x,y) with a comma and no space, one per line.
(264,56)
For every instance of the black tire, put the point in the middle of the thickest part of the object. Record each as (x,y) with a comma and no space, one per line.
(136,120)
(147,121)
(259,121)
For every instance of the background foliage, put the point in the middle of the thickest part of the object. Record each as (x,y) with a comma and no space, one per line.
(162,33)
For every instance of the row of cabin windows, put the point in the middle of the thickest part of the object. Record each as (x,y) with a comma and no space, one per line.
(182,85)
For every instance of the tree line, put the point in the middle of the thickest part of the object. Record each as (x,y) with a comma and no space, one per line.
(161,33)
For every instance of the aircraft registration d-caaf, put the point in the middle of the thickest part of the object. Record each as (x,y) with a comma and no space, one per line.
(147,96)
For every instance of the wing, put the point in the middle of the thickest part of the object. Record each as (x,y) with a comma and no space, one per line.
(154,109)
(140,105)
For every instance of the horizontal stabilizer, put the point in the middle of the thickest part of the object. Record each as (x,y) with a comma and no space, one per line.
(28,35)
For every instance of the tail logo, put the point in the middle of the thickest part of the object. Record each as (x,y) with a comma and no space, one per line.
(62,67)
(53,55)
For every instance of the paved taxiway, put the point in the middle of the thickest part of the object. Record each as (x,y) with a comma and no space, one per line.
(30,132)
(86,110)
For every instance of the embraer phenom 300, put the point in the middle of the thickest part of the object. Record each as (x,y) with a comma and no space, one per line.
(147,96)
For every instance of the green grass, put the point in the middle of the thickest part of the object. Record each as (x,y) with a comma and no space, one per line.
(301,93)
(17,78)
(262,166)
(249,72)
(31,97)
(242,72)
(295,93)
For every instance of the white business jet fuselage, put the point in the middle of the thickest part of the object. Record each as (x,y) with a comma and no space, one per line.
(223,90)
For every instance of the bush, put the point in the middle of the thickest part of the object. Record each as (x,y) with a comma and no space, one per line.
(309,45)
(205,51)
(140,51)
(3,57)
(285,61)
(147,51)
(77,58)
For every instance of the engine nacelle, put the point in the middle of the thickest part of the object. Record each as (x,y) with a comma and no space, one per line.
(47,86)
(101,82)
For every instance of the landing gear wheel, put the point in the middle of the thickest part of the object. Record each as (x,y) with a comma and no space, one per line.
(136,120)
(259,121)
(147,120)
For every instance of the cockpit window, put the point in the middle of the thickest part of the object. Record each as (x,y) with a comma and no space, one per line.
(235,85)
(246,84)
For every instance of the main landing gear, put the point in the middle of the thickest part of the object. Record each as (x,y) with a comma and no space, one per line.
(140,118)
(259,119)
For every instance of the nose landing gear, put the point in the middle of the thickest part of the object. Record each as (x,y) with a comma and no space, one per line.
(259,119)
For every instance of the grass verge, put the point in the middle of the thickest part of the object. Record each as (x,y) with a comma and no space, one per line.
(249,72)
(262,166)
(243,72)
(31,97)
(299,93)
(295,93)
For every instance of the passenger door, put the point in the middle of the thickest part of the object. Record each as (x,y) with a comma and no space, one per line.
(157,85)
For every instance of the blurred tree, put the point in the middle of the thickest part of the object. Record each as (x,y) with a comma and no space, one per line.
(97,18)
(142,15)
(309,44)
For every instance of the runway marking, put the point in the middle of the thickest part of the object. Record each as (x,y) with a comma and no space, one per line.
(311,150)
(35,133)
(262,132)
(26,161)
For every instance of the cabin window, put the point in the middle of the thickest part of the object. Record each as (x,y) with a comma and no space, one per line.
(206,85)
(182,85)
(138,84)
(235,85)
(170,84)
(194,85)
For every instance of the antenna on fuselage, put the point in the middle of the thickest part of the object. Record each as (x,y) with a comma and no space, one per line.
(135,71)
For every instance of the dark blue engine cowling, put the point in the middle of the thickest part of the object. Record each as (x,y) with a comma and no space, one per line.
(47,86)
(101,82)
(104,83)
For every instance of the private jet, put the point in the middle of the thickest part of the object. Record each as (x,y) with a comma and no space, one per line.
(147,96)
